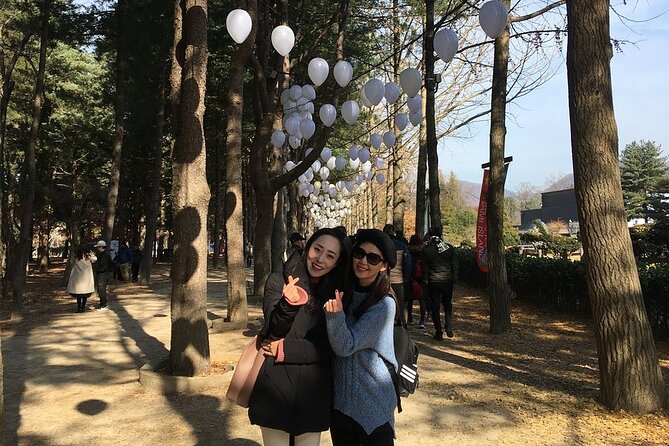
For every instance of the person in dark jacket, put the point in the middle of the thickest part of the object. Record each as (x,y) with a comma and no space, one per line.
(292,397)
(104,266)
(418,278)
(400,275)
(442,273)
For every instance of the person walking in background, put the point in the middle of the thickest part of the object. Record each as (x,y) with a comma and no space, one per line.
(442,273)
(360,327)
(104,266)
(292,397)
(124,261)
(82,283)
(400,275)
(137,256)
(248,252)
(418,290)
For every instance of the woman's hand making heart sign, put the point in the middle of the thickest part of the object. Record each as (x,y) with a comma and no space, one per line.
(334,305)
(294,294)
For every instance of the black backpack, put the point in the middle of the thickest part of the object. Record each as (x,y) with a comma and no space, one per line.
(406,354)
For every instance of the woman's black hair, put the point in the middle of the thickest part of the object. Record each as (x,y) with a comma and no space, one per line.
(379,288)
(80,252)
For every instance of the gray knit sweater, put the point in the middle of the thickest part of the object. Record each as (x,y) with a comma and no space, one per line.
(363,388)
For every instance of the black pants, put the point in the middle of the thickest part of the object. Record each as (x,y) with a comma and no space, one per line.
(81,301)
(345,431)
(398,289)
(441,293)
(422,304)
(101,286)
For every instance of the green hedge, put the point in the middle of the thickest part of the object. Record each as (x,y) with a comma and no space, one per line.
(560,284)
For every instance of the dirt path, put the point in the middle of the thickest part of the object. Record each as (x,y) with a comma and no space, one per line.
(71,379)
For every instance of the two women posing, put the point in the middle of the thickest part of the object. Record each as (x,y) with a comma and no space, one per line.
(320,340)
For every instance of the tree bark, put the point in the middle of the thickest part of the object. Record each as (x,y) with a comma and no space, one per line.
(189,350)
(234,194)
(500,298)
(421,172)
(119,129)
(629,372)
(153,203)
(21,255)
(432,156)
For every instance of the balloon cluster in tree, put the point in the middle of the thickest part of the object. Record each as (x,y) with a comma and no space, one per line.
(332,202)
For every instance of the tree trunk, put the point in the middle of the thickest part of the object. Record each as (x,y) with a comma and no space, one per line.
(189,350)
(29,174)
(119,129)
(218,198)
(279,236)
(234,193)
(153,203)
(398,201)
(432,156)
(629,372)
(421,171)
(500,298)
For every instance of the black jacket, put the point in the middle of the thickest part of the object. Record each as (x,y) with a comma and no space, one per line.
(442,265)
(104,264)
(295,395)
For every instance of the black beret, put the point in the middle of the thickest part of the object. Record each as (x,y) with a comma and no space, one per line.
(381,240)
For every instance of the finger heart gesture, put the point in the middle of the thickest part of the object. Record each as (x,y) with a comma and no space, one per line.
(335,305)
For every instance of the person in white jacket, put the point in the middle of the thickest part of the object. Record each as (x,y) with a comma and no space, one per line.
(82,284)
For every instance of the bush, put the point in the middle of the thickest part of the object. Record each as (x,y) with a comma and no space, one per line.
(560,283)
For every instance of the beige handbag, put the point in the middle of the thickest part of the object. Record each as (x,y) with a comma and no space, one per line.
(245,374)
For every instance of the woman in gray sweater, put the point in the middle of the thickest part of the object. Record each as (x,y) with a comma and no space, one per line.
(360,328)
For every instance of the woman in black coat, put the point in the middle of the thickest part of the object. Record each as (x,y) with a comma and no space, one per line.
(292,396)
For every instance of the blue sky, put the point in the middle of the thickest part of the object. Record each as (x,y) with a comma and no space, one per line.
(539,139)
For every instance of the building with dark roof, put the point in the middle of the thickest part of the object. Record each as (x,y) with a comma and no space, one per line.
(555,205)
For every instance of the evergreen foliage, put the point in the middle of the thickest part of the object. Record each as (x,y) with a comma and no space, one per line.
(643,168)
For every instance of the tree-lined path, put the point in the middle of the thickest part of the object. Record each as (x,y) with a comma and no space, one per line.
(72,379)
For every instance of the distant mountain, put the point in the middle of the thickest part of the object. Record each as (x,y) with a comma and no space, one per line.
(566,182)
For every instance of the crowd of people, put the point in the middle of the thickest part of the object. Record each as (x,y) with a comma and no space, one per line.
(328,332)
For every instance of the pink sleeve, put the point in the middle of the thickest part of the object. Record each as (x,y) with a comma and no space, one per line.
(280,355)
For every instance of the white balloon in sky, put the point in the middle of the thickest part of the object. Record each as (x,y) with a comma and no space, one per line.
(292,125)
(411,80)
(332,163)
(324,173)
(415,103)
(375,140)
(290,165)
(307,128)
(328,114)
(278,138)
(318,70)
(283,39)
(316,166)
(493,17)
(239,25)
(392,92)
(380,162)
(389,139)
(309,92)
(350,111)
(364,99)
(363,155)
(343,73)
(401,121)
(446,44)
(340,163)
(374,91)
(354,163)
(285,96)
(295,92)
(353,152)
(416,118)
(326,154)
(380,178)
(294,141)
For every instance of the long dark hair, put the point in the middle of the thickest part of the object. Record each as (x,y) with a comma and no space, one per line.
(379,288)
(334,279)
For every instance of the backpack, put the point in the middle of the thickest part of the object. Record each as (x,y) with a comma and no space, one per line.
(405,380)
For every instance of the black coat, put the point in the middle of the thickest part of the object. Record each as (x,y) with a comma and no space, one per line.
(295,396)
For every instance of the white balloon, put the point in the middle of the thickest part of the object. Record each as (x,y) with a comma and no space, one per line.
(332,191)
(328,114)
(317,185)
(392,92)
(493,17)
(375,140)
(359,179)
(349,186)
(316,166)
(389,139)
(416,118)
(353,152)
(318,70)
(324,172)
(309,174)
(303,180)
(380,178)
(354,163)
(239,25)
(343,73)
(306,114)
(340,163)
(401,121)
(415,103)
(308,151)
(332,163)
(290,106)
(283,39)
(310,108)
(302,104)
(326,154)
(369,174)
(308,92)
(295,92)
(374,91)
(307,128)
(363,155)
(411,81)
(313,198)
(350,111)
(446,44)
(285,96)
(364,99)
(290,165)
(278,138)
(292,126)
(380,162)
(366,166)
(294,141)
